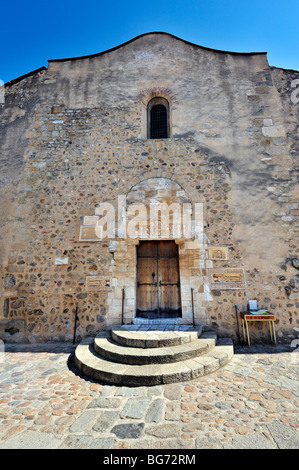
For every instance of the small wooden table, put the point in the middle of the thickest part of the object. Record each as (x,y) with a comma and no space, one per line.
(247,317)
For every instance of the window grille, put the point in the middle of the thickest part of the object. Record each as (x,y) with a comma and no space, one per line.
(158,119)
(158,125)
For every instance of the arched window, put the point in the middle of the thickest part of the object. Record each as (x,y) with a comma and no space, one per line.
(158,119)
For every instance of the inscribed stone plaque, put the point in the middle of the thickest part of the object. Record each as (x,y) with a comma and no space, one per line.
(230,278)
(218,253)
(97,283)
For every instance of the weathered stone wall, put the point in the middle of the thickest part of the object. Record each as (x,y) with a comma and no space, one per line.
(74,136)
(287,192)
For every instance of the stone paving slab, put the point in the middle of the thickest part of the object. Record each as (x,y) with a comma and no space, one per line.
(250,403)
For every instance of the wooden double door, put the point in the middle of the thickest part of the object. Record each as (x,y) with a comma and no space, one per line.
(158,280)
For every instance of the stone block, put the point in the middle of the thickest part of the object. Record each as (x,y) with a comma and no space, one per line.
(9,281)
(62,261)
(273,131)
(90,219)
(88,233)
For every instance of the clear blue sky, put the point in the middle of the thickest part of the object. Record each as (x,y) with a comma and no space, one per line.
(34,31)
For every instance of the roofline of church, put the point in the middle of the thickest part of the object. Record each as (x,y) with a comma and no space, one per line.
(29,74)
(18,79)
(155,32)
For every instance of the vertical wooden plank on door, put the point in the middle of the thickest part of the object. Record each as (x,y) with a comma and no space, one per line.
(147,286)
(169,285)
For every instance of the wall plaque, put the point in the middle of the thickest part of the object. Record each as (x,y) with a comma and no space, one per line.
(218,253)
(97,283)
(227,278)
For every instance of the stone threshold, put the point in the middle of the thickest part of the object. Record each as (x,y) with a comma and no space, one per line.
(162,321)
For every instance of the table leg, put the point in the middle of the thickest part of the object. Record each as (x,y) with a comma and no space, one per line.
(270,328)
(273,330)
(244,336)
(247,331)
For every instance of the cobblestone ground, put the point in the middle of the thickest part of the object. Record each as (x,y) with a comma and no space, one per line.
(251,403)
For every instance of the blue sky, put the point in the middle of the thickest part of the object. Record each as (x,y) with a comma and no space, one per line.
(34,31)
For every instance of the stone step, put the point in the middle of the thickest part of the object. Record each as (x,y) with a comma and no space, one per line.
(93,365)
(106,347)
(147,337)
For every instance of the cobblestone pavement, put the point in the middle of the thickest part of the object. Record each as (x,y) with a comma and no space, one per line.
(253,402)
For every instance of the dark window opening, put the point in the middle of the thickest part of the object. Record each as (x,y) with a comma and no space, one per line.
(158,127)
(158,119)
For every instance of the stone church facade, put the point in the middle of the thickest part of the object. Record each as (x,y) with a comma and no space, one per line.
(210,137)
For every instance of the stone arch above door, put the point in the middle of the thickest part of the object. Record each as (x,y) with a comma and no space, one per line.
(165,209)
(157,189)
(173,177)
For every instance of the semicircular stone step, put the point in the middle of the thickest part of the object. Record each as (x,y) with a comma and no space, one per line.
(109,349)
(103,370)
(143,338)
